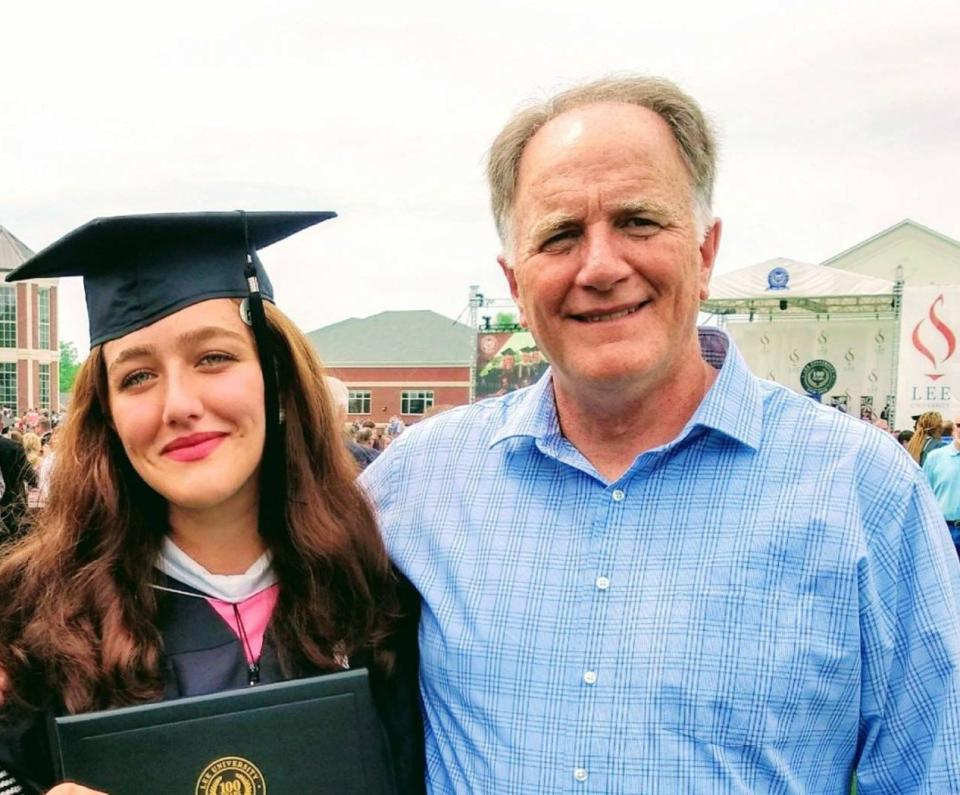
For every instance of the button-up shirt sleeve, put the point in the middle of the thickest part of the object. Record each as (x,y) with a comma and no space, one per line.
(910,692)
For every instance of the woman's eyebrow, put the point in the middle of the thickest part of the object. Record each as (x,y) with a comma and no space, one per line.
(205,333)
(127,354)
(192,337)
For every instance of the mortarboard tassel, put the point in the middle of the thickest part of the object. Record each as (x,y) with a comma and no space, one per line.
(273,502)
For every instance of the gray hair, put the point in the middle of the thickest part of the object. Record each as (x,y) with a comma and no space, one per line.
(338,392)
(690,127)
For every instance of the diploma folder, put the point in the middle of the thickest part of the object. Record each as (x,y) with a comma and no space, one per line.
(319,735)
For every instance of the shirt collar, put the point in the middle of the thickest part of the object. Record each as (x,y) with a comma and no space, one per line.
(733,406)
(533,413)
(233,588)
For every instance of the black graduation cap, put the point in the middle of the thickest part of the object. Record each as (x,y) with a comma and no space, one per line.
(138,269)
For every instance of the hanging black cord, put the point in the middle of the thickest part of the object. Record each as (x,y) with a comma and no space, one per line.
(253,663)
(273,491)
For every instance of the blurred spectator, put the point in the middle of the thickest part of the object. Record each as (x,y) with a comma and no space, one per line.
(368,439)
(904,437)
(942,468)
(341,399)
(946,435)
(17,475)
(926,436)
(46,467)
(33,447)
(44,429)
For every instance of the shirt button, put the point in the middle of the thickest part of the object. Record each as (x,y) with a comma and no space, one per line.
(590,677)
(580,774)
(618,495)
(603,583)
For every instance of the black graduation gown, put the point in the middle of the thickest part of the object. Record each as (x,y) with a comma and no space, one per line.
(203,655)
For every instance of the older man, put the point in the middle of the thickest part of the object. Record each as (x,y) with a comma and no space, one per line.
(651,571)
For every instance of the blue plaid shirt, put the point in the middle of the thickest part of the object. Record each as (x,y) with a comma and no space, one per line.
(764,604)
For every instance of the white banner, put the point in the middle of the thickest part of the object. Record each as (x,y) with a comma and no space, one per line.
(855,355)
(929,369)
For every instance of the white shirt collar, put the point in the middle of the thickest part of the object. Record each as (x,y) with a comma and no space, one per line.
(233,588)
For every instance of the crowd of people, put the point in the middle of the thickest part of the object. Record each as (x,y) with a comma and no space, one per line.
(26,460)
(930,431)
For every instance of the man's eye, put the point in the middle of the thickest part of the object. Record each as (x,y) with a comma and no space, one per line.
(559,237)
(635,222)
(134,379)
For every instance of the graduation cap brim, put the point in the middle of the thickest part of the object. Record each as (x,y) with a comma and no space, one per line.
(138,269)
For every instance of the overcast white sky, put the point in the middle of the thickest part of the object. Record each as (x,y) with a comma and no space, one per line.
(836,120)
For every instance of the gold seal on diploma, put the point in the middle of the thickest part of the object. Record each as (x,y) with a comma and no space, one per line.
(231,775)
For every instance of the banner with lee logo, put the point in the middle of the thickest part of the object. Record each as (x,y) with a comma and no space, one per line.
(929,366)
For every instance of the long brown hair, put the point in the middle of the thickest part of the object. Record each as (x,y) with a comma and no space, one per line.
(78,615)
(928,425)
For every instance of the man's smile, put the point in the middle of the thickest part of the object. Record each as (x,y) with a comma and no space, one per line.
(601,317)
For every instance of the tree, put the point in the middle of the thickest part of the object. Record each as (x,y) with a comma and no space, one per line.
(69,364)
(505,320)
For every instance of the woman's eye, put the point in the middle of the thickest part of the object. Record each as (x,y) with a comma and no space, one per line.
(137,378)
(216,357)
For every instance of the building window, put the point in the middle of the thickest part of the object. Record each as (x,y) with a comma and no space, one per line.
(8,317)
(8,384)
(44,386)
(43,320)
(358,401)
(415,402)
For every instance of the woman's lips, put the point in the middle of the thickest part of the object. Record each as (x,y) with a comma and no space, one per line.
(194,448)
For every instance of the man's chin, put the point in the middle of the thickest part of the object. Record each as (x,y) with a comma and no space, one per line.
(612,376)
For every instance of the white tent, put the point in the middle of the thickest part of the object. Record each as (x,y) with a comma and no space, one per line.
(786,287)
(795,323)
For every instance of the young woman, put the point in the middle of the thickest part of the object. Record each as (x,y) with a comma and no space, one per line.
(202,530)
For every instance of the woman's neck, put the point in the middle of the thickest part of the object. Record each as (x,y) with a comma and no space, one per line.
(224,539)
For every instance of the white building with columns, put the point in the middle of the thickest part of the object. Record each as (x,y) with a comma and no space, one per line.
(29,342)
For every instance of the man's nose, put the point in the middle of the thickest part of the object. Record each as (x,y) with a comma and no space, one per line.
(603,265)
(182,400)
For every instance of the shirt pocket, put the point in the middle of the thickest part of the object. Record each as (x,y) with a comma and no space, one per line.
(763,644)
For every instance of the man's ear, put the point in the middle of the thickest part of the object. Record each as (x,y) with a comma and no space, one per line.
(514,289)
(708,256)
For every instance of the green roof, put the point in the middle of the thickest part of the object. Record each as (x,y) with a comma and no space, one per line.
(414,338)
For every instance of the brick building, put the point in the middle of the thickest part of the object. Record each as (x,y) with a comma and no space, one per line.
(29,342)
(401,363)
